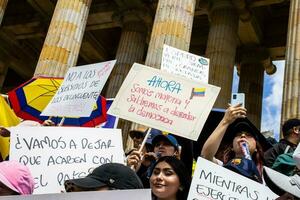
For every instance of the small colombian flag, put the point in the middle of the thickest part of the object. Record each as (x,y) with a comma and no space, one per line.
(199,92)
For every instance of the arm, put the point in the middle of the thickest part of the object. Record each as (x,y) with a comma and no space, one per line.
(212,144)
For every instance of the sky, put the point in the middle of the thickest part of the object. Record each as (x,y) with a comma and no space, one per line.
(272,99)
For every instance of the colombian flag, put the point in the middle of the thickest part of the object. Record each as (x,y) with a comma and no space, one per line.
(7,118)
(200,92)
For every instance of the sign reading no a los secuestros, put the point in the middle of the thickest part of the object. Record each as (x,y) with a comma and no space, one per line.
(164,101)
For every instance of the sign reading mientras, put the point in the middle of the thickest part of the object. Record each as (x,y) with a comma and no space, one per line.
(167,102)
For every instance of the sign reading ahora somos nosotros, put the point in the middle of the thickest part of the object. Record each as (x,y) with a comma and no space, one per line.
(212,181)
(164,101)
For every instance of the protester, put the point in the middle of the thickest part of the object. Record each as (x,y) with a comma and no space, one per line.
(169,179)
(137,135)
(164,145)
(291,134)
(15,179)
(248,164)
(110,176)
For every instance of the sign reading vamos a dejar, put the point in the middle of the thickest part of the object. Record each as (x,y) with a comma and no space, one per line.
(55,154)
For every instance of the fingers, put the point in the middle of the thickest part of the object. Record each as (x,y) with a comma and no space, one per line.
(234,112)
(134,158)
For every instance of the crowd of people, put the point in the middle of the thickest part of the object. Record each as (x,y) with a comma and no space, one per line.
(160,164)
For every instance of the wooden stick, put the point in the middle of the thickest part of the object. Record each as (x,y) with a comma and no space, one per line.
(61,122)
(142,145)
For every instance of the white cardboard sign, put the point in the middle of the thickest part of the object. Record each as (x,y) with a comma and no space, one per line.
(79,91)
(164,101)
(137,194)
(212,181)
(186,64)
(55,154)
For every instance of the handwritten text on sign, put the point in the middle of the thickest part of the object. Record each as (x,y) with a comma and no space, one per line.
(186,64)
(211,181)
(79,91)
(167,102)
(55,154)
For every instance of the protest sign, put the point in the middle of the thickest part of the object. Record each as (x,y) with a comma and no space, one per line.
(186,64)
(54,154)
(79,91)
(212,181)
(137,194)
(164,101)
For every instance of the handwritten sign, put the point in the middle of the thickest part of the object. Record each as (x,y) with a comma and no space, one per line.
(137,194)
(186,64)
(164,101)
(211,181)
(55,154)
(79,91)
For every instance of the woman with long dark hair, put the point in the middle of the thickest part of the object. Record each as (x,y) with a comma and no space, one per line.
(169,179)
(244,155)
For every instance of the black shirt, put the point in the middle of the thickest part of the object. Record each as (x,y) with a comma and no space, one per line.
(279,148)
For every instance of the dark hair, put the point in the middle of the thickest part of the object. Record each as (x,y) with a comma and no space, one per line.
(288,125)
(182,173)
(257,156)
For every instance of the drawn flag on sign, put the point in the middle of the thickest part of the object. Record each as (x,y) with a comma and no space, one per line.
(199,92)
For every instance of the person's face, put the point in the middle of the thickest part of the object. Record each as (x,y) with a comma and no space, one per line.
(6,191)
(164,182)
(137,140)
(164,148)
(243,137)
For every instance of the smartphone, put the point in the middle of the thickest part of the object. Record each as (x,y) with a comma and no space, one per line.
(237,98)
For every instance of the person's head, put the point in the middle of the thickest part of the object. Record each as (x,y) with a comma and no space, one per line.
(165,145)
(137,136)
(15,179)
(169,179)
(110,176)
(244,133)
(291,130)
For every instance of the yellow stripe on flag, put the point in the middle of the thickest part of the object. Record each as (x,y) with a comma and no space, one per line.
(7,119)
(199,89)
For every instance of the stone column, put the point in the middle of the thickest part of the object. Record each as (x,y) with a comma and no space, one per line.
(172,26)
(3,4)
(131,49)
(251,83)
(291,88)
(254,61)
(63,40)
(221,47)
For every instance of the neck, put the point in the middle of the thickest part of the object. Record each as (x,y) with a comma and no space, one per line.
(293,140)
(168,198)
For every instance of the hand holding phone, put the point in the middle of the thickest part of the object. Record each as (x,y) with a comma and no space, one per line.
(238,98)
